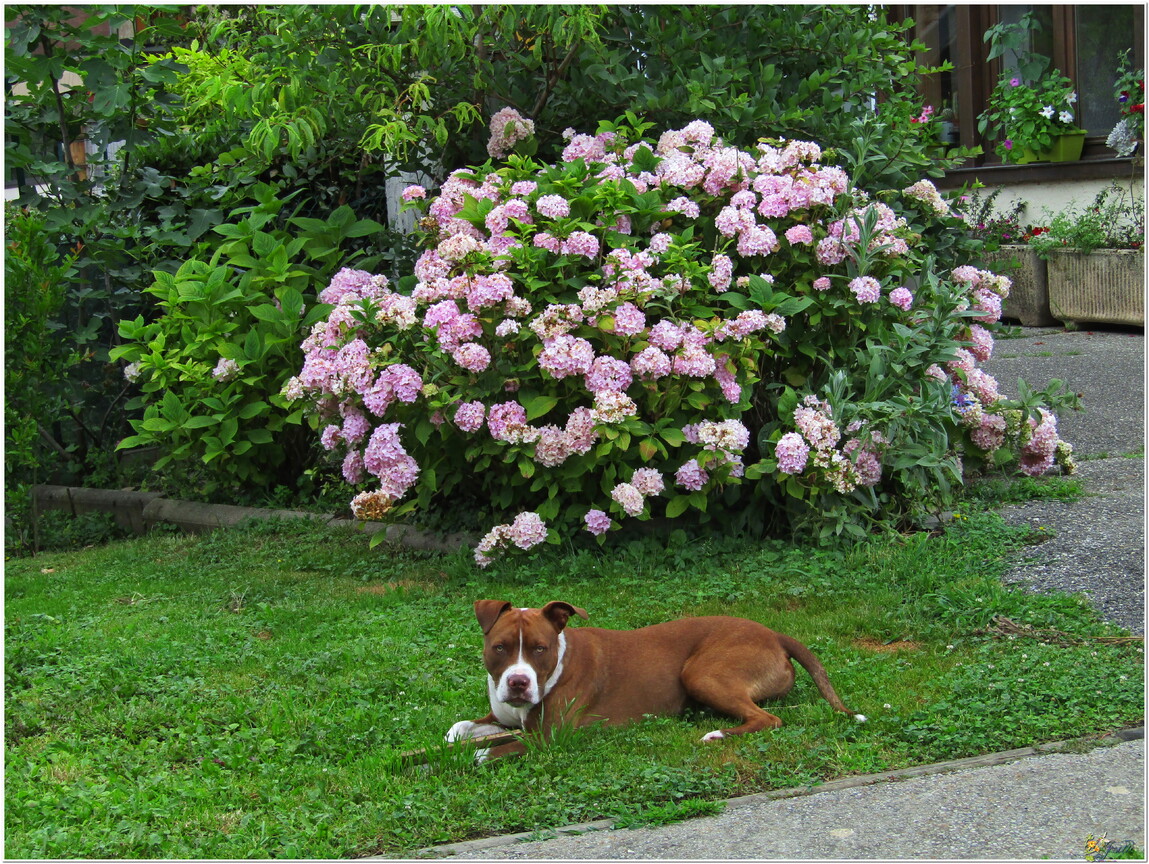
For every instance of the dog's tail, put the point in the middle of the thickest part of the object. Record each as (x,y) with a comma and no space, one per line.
(817,671)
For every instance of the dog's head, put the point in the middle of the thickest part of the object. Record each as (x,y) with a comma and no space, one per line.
(523,648)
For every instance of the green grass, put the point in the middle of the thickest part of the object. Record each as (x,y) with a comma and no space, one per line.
(998,490)
(247,694)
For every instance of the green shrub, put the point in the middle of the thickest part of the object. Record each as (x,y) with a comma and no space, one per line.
(675,318)
(210,368)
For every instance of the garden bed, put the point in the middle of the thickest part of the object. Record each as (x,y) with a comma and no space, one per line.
(138,512)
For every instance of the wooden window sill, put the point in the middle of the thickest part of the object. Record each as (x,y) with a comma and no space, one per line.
(1043,172)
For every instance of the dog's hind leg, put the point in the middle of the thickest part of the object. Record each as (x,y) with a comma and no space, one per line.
(729,694)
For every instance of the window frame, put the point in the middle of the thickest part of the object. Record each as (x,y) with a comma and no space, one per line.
(974,81)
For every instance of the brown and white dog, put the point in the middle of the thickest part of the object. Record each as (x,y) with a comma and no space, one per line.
(542,675)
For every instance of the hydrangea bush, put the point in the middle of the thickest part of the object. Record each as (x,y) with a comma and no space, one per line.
(655,326)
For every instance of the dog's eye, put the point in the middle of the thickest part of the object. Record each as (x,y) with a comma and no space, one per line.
(539,649)
(499,649)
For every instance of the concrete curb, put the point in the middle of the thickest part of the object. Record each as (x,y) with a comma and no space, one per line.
(140,511)
(985,761)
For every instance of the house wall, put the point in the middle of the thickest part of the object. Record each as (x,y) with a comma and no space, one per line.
(1044,199)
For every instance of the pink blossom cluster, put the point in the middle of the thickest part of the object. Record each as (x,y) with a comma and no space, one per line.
(508,128)
(600,315)
(385,458)
(927,193)
(526,531)
(1038,453)
(225,370)
(858,462)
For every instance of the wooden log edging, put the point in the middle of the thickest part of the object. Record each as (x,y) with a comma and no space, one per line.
(138,512)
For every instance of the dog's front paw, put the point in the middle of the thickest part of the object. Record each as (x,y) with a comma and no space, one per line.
(465,729)
(716,735)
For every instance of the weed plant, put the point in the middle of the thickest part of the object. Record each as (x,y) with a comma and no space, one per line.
(249,694)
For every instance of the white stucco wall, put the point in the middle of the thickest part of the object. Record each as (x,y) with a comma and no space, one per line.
(1045,199)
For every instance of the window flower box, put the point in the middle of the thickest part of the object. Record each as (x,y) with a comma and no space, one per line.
(1106,286)
(1066,147)
(1028,300)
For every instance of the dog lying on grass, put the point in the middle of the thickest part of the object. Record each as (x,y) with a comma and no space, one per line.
(542,675)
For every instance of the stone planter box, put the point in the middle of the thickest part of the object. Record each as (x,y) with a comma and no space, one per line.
(1028,300)
(1106,286)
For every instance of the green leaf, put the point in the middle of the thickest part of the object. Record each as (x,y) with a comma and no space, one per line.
(266,312)
(677,505)
(252,345)
(539,406)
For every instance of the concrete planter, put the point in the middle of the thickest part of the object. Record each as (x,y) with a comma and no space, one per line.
(1028,300)
(1106,286)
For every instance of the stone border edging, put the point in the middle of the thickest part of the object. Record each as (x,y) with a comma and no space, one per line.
(985,761)
(139,511)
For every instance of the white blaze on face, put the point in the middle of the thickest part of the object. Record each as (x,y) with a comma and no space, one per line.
(500,691)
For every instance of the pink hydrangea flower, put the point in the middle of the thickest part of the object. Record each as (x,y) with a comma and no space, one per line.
(553,206)
(792,453)
(608,373)
(628,320)
(527,530)
(566,355)
(721,272)
(580,243)
(628,498)
(650,364)
(386,459)
(597,522)
(508,128)
(866,288)
(472,357)
(611,406)
(666,335)
(353,471)
(990,433)
(225,370)
(648,481)
(469,416)
(413,193)
(691,476)
(902,298)
(503,417)
(553,447)
(684,206)
(800,235)
(822,283)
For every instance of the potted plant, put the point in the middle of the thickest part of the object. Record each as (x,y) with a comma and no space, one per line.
(1005,250)
(1129,91)
(1030,111)
(1096,259)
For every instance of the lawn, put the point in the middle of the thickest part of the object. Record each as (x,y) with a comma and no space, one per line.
(246,694)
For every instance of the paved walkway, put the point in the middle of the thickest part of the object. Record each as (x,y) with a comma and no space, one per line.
(1028,807)
(1098,545)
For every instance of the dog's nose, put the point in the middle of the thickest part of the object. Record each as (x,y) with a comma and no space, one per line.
(518,682)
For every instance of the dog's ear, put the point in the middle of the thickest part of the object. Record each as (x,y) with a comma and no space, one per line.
(558,613)
(488,612)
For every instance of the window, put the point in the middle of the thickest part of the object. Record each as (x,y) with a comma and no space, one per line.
(1082,41)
